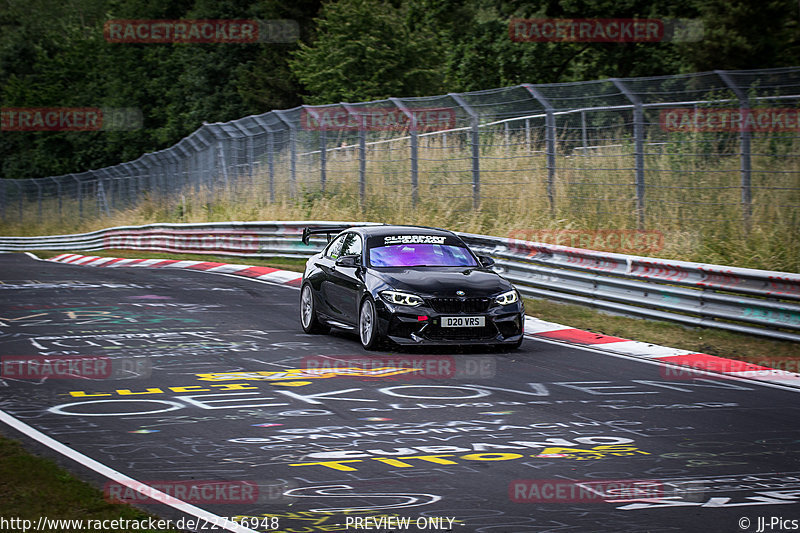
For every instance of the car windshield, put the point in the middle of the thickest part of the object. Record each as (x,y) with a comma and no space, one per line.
(419,254)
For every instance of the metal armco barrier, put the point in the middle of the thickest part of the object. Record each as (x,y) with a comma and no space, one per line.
(744,300)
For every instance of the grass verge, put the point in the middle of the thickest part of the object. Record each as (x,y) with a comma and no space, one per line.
(32,487)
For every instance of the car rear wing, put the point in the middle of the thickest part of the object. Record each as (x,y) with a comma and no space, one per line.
(328,231)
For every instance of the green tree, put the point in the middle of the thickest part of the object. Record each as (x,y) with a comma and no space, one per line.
(54,55)
(481,55)
(365,50)
(742,34)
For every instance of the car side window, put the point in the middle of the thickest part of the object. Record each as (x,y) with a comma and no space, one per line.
(335,248)
(353,246)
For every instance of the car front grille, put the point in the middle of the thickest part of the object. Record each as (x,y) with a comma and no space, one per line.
(460,305)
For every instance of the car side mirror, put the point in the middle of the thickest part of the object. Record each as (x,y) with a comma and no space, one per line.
(486,260)
(352,261)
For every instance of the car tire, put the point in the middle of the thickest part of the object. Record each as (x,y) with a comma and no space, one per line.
(368,325)
(308,312)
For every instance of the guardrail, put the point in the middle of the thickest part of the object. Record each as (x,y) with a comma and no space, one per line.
(758,302)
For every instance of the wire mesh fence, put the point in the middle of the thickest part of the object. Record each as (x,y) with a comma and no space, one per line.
(715,148)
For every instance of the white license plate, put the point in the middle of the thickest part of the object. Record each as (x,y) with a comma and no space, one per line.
(463,321)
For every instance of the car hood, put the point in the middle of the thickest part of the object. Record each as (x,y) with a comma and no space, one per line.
(441,282)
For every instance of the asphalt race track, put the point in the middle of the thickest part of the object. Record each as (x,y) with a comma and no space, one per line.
(205,387)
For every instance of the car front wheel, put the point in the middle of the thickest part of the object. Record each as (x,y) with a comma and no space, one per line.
(368,325)
(308,313)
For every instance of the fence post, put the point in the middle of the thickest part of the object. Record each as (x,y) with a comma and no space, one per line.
(107,190)
(638,150)
(292,151)
(249,156)
(58,191)
(528,133)
(182,168)
(102,198)
(79,194)
(476,148)
(584,135)
(222,161)
(38,197)
(135,188)
(550,142)
(271,164)
(112,186)
(173,166)
(21,197)
(323,146)
(270,154)
(249,152)
(745,138)
(414,136)
(119,189)
(362,154)
(124,184)
(211,168)
(3,198)
(196,167)
(211,164)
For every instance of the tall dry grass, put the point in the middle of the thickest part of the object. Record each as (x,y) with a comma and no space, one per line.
(693,195)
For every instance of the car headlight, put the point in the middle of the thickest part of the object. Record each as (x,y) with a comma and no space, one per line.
(401,298)
(507,298)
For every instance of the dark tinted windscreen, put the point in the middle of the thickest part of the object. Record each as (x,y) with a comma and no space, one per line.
(420,254)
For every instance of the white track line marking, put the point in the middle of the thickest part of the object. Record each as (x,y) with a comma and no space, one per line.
(121,478)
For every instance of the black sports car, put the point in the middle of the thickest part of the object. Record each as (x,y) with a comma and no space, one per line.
(409,284)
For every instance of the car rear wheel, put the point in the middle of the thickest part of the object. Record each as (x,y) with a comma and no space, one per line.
(368,325)
(308,313)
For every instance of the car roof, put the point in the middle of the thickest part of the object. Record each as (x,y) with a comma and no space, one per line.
(386,229)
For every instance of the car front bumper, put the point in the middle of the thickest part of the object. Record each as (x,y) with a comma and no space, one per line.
(422,325)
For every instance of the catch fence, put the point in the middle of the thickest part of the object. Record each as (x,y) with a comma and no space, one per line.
(713,149)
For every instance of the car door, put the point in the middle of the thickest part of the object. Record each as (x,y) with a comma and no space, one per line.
(327,265)
(346,282)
